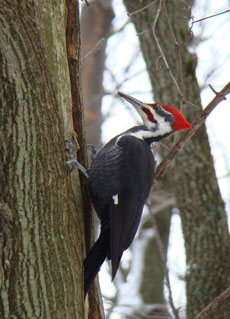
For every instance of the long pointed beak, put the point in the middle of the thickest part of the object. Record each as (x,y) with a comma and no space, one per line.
(136,103)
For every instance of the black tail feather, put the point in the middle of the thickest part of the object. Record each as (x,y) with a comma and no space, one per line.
(95,258)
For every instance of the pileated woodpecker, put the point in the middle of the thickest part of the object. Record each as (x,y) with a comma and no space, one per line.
(120,179)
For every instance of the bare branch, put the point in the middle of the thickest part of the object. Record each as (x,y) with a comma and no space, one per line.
(190,103)
(120,29)
(225,175)
(94,49)
(215,303)
(214,91)
(142,9)
(163,205)
(220,96)
(211,16)
(143,32)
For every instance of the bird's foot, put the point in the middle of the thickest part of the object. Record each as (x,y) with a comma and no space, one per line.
(72,161)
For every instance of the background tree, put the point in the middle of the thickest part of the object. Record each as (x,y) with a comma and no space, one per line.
(197,193)
(164,91)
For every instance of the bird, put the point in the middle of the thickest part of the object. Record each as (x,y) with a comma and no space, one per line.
(120,179)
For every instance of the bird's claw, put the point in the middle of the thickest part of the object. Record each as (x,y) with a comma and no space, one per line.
(72,161)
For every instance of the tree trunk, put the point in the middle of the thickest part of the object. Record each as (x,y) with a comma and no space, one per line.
(96,24)
(198,197)
(41,225)
(152,268)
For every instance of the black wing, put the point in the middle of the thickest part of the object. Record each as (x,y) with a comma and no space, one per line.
(122,185)
(104,178)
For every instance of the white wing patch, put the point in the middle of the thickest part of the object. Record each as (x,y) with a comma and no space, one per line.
(115,199)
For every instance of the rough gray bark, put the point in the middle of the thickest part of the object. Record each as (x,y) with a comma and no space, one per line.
(198,197)
(41,207)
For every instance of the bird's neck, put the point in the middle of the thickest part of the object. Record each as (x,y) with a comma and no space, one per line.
(150,136)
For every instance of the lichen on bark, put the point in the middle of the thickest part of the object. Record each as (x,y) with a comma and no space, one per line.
(42,237)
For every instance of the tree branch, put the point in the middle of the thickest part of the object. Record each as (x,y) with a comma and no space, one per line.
(211,16)
(215,302)
(220,96)
(94,49)
(142,9)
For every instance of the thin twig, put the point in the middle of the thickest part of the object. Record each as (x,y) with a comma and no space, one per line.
(220,96)
(165,268)
(190,103)
(143,32)
(121,28)
(211,16)
(163,205)
(142,9)
(214,91)
(215,303)
(224,176)
(94,49)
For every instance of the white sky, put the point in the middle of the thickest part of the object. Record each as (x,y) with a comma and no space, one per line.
(214,52)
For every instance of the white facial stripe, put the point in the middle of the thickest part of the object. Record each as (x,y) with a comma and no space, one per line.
(143,134)
(140,134)
(158,118)
(163,129)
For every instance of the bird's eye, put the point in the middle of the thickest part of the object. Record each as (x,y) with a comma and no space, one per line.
(157,107)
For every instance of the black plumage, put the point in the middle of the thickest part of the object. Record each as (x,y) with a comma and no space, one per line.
(120,179)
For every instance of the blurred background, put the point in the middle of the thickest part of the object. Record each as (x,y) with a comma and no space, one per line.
(185,217)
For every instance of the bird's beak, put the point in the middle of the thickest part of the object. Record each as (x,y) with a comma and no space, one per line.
(136,103)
